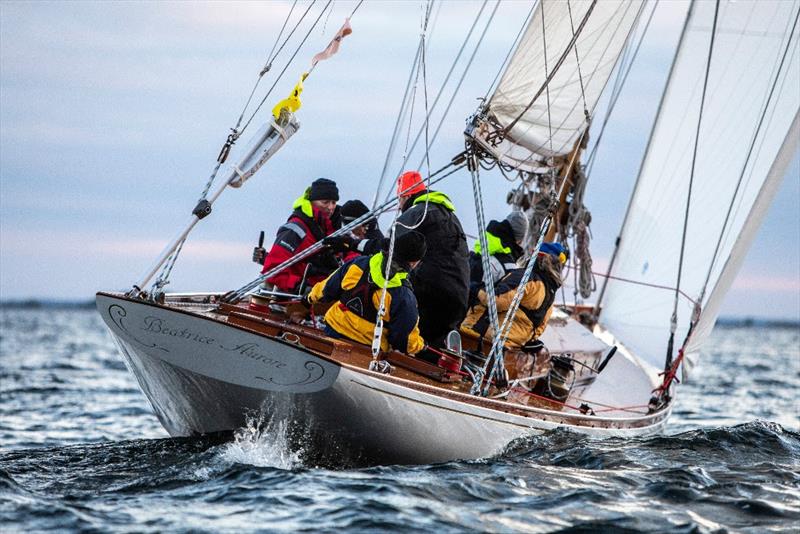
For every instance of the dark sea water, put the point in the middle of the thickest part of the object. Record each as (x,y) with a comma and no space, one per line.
(81,450)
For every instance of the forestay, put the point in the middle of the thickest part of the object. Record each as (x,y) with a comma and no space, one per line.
(751,40)
(579,71)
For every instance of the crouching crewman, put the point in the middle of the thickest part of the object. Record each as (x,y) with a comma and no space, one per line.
(356,288)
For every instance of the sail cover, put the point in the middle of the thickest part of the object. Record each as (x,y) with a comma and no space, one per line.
(751,40)
(579,70)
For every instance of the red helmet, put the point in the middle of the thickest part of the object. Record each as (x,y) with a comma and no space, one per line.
(409,183)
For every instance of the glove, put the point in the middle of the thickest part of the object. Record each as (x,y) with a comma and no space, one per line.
(323,263)
(259,255)
(342,243)
(305,300)
(336,217)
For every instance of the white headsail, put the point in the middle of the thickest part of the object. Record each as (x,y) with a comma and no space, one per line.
(575,45)
(752,99)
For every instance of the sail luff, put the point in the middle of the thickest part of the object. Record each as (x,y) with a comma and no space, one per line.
(789,148)
(750,43)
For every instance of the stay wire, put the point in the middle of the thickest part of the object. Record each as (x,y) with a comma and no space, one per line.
(510,51)
(577,59)
(547,87)
(280,75)
(556,67)
(236,295)
(270,57)
(426,122)
(396,131)
(615,93)
(163,277)
(749,153)
(488,279)
(674,319)
(460,82)
(500,338)
(444,83)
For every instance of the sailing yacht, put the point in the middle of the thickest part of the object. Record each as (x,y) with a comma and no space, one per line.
(726,129)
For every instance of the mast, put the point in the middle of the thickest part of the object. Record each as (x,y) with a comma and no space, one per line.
(567,175)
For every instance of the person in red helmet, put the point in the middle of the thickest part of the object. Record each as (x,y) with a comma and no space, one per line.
(441,280)
(309,222)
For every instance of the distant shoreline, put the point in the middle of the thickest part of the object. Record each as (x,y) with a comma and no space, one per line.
(44,304)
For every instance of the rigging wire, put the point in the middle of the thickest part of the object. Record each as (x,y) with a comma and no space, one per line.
(674,318)
(280,75)
(618,241)
(413,73)
(444,83)
(163,277)
(510,51)
(556,67)
(270,57)
(749,154)
(377,332)
(488,279)
(547,87)
(577,59)
(426,122)
(396,131)
(428,145)
(617,90)
(234,296)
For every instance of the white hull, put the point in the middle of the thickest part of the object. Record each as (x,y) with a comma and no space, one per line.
(202,375)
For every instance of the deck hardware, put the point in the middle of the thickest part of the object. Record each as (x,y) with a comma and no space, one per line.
(290,337)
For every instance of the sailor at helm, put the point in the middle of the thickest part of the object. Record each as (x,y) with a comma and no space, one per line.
(441,281)
(504,239)
(530,319)
(357,286)
(309,222)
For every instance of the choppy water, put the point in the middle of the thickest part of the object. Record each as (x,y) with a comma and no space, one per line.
(80,449)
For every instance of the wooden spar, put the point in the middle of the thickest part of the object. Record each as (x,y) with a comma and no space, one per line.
(567,172)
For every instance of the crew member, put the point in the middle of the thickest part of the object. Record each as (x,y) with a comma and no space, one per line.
(441,281)
(536,305)
(504,240)
(358,285)
(309,222)
(345,244)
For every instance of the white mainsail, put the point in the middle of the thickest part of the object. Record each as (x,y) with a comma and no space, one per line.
(579,71)
(754,71)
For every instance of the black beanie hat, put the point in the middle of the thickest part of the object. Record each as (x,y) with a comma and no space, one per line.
(409,247)
(323,189)
(352,210)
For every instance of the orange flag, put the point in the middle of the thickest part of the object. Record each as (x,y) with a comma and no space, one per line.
(333,47)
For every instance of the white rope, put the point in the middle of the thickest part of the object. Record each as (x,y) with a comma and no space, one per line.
(488,281)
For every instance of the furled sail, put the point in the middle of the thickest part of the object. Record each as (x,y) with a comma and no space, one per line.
(558,70)
(747,138)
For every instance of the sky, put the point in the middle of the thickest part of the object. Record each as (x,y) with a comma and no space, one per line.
(112,115)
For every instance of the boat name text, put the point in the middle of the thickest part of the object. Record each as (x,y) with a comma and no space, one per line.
(250,350)
(154,324)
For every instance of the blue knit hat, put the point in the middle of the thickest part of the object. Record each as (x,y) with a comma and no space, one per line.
(555,250)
